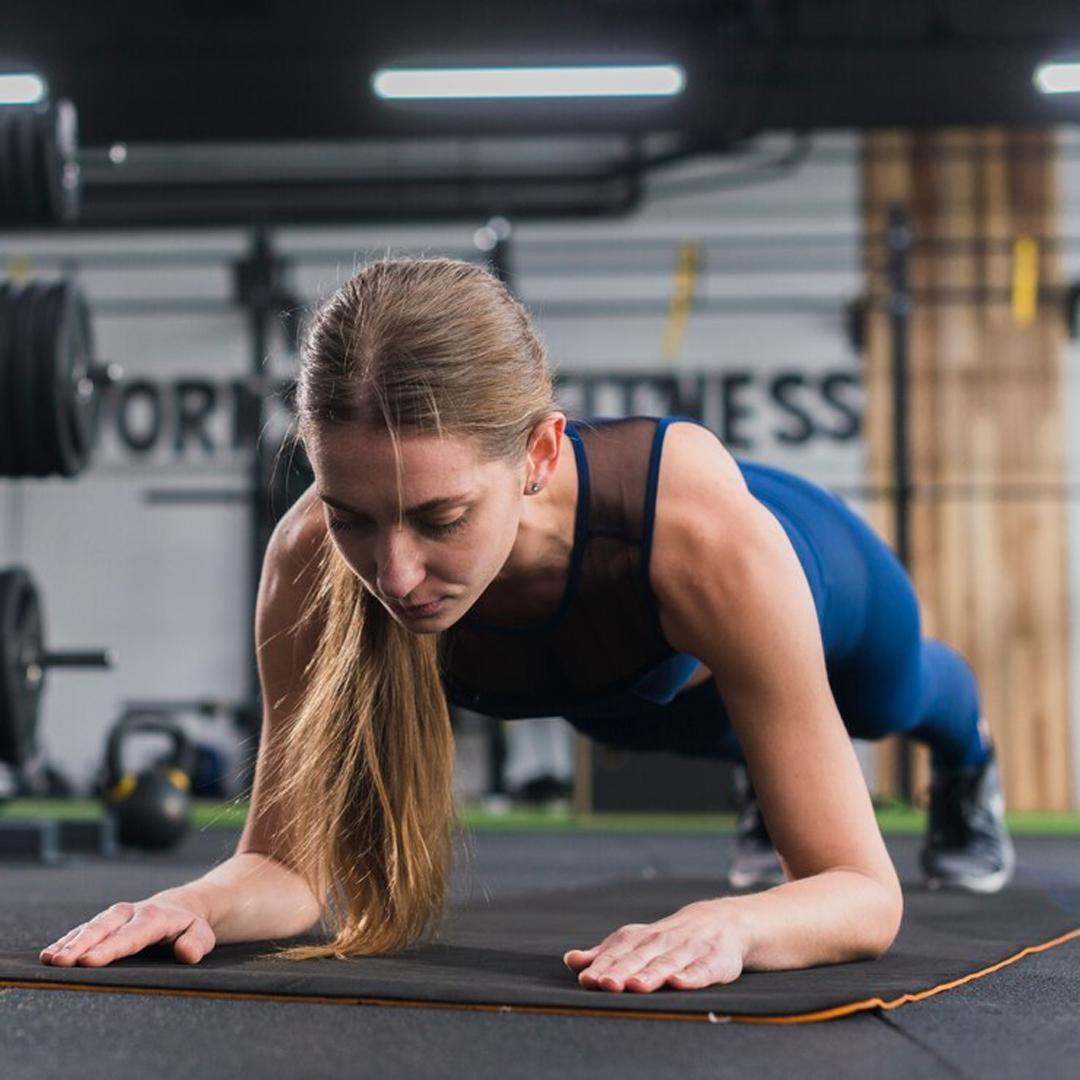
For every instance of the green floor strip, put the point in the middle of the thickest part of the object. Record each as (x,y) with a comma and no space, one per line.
(893,820)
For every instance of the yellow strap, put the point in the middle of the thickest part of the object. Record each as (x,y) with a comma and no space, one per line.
(1025,280)
(687,267)
(19,269)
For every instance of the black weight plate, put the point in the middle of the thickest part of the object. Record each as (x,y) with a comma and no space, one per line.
(12,407)
(33,194)
(50,390)
(42,135)
(13,213)
(52,165)
(7,194)
(84,416)
(39,134)
(13,160)
(7,451)
(61,149)
(30,635)
(43,127)
(11,723)
(24,382)
(49,387)
(69,145)
(66,362)
(28,380)
(21,640)
(21,125)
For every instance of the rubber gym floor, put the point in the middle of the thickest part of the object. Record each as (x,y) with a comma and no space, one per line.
(1022,1020)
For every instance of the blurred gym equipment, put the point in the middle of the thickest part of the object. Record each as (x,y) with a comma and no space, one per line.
(151,808)
(40,179)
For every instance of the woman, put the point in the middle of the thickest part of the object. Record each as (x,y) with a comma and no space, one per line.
(464,540)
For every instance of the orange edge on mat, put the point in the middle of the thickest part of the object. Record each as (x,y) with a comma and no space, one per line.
(543,1010)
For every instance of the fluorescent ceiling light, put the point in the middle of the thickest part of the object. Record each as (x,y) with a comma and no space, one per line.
(529,82)
(1058,78)
(21,88)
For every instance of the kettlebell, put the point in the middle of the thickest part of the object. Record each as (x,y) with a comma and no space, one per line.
(151,809)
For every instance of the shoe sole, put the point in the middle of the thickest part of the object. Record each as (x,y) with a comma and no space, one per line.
(989,883)
(744,880)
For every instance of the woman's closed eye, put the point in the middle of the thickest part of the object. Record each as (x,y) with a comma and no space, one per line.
(434,528)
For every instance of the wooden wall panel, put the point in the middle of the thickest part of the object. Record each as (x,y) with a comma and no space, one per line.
(986,400)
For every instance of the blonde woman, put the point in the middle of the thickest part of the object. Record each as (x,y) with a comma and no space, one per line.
(464,540)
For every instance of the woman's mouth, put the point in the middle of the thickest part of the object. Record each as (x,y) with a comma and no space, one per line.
(420,611)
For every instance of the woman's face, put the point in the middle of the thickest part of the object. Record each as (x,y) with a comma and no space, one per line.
(459,518)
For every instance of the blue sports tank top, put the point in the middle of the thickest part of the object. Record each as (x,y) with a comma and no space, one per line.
(603,650)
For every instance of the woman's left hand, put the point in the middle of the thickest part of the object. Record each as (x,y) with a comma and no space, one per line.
(699,945)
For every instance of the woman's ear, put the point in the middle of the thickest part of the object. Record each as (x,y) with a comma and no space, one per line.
(542,451)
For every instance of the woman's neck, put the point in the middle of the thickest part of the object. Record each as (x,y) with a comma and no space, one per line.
(531,582)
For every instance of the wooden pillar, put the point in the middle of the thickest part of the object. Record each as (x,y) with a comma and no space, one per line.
(986,412)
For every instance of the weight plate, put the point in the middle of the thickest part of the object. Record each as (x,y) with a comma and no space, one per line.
(14,407)
(66,364)
(61,155)
(22,634)
(43,127)
(13,212)
(50,389)
(7,194)
(84,415)
(24,379)
(34,195)
(30,637)
(13,164)
(52,166)
(7,450)
(41,440)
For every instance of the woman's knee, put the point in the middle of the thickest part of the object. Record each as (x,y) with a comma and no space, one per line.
(875,701)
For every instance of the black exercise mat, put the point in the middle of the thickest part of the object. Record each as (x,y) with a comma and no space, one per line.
(508,954)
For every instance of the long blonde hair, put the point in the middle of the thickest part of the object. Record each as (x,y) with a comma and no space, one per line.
(418,346)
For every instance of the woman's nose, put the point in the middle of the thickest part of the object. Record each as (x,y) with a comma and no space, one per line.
(400,569)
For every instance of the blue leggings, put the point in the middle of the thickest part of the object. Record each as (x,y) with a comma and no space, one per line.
(885,676)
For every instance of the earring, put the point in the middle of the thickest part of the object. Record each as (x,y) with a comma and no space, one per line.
(534,488)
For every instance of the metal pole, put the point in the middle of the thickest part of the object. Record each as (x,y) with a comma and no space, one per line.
(493,239)
(256,284)
(899,247)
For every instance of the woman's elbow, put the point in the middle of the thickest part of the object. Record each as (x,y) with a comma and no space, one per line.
(887,922)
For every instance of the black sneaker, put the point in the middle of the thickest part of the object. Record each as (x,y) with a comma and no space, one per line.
(543,790)
(967,846)
(754,862)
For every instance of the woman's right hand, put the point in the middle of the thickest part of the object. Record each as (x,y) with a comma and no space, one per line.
(127,928)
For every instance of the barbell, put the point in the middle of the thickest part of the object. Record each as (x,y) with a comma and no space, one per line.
(40,180)
(24,663)
(49,383)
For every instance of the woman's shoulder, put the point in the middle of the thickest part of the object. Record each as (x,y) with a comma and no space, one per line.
(703,518)
(697,473)
(298,539)
(303,526)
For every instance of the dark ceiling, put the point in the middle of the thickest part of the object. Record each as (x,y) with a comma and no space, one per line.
(174,78)
(195,70)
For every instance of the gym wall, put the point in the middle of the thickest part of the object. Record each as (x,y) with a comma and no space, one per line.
(168,587)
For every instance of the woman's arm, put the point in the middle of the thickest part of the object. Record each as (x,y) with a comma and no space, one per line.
(255,894)
(731,591)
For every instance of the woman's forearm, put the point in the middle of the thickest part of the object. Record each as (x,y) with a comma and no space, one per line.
(830,918)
